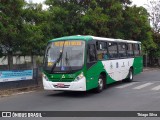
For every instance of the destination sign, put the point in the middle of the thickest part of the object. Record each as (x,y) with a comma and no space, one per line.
(68,43)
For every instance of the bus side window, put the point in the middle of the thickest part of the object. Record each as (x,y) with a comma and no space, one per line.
(130,52)
(136,49)
(91,53)
(122,50)
(112,48)
(102,53)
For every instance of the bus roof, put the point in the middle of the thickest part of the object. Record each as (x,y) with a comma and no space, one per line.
(89,37)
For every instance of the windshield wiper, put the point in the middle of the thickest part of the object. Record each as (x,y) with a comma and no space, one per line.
(67,62)
(57,61)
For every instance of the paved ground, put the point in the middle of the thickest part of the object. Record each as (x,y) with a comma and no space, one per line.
(141,95)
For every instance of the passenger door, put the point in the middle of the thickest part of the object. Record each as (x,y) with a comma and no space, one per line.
(91,66)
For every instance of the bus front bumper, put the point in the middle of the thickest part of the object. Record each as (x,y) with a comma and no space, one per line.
(79,85)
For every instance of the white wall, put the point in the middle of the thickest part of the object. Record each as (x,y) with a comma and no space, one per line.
(16,60)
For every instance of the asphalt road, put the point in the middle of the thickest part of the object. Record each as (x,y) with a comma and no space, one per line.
(141,95)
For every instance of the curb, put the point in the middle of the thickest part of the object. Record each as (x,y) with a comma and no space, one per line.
(16,91)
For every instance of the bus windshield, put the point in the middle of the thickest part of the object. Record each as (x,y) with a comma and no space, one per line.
(64,56)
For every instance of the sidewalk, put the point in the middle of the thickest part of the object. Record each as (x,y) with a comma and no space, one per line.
(150,68)
(8,92)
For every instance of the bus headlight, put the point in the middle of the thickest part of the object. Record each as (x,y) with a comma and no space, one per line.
(80,76)
(45,77)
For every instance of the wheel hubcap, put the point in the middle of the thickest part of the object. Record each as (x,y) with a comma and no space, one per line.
(131,76)
(100,82)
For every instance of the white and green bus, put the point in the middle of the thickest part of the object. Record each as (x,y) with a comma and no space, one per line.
(82,63)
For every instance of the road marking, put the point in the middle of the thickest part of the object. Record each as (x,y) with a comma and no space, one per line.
(142,86)
(156,88)
(126,85)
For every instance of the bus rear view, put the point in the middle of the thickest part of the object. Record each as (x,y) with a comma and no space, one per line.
(63,65)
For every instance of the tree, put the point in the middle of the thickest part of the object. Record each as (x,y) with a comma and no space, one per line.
(114,10)
(94,21)
(22,28)
(156,52)
(1,52)
(32,34)
(137,27)
(36,31)
(64,17)
(95,17)
(154,12)
(11,24)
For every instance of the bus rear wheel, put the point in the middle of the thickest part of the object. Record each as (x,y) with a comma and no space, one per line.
(101,84)
(130,75)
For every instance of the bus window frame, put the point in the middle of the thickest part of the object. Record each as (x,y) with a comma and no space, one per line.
(139,53)
(113,58)
(133,55)
(124,57)
(90,63)
(102,50)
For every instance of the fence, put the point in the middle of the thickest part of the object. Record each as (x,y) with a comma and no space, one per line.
(19,83)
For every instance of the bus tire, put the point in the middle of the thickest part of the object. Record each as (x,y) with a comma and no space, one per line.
(130,75)
(101,84)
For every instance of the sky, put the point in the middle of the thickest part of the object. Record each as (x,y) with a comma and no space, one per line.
(140,2)
(136,2)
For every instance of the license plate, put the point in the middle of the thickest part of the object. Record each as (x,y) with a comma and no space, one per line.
(60,85)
